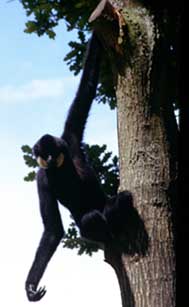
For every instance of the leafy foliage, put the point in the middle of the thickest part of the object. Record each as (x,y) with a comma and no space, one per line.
(107,170)
(45,16)
(73,240)
(30,162)
(105,167)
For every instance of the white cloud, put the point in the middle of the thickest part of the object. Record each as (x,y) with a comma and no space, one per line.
(35,89)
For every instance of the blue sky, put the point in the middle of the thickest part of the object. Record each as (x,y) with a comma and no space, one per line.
(36,89)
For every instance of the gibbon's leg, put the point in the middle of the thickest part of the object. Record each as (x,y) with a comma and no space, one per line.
(94,226)
(119,212)
(126,224)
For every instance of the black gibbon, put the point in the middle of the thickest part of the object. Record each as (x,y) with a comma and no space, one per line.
(65,176)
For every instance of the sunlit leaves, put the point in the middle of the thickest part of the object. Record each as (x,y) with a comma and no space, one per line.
(45,15)
(105,167)
(73,240)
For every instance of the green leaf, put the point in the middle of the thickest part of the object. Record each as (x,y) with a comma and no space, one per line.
(51,34)
(26,149)
(31,26)
(30,177)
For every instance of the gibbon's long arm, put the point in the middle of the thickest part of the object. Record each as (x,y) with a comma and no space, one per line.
(53,233)
(46,151)
(78,112)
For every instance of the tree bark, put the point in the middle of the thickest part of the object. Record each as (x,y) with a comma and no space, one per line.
(147,135)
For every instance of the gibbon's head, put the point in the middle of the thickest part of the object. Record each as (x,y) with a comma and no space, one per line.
(49,151)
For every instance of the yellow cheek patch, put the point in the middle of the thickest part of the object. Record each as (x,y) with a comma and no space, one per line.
(42,163)
(60,160)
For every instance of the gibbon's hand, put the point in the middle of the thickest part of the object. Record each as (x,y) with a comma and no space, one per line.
(33,294)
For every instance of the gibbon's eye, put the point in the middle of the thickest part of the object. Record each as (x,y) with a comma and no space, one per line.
(60,160)
(42,163)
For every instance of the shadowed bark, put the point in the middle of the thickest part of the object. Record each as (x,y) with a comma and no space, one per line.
(147,134)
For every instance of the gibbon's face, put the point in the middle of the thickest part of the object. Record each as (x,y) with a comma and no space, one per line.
(49,152)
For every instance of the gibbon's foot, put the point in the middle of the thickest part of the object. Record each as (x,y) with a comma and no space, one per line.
(118,212)
(127,225)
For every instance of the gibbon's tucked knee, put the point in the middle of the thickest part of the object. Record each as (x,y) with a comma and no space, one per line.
(95,227)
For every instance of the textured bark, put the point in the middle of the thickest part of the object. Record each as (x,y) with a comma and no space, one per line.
(147,150)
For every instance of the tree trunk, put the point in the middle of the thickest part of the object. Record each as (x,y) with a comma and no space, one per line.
(147,135)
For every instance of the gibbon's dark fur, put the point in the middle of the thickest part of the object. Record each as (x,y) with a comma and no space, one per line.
(67,177)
